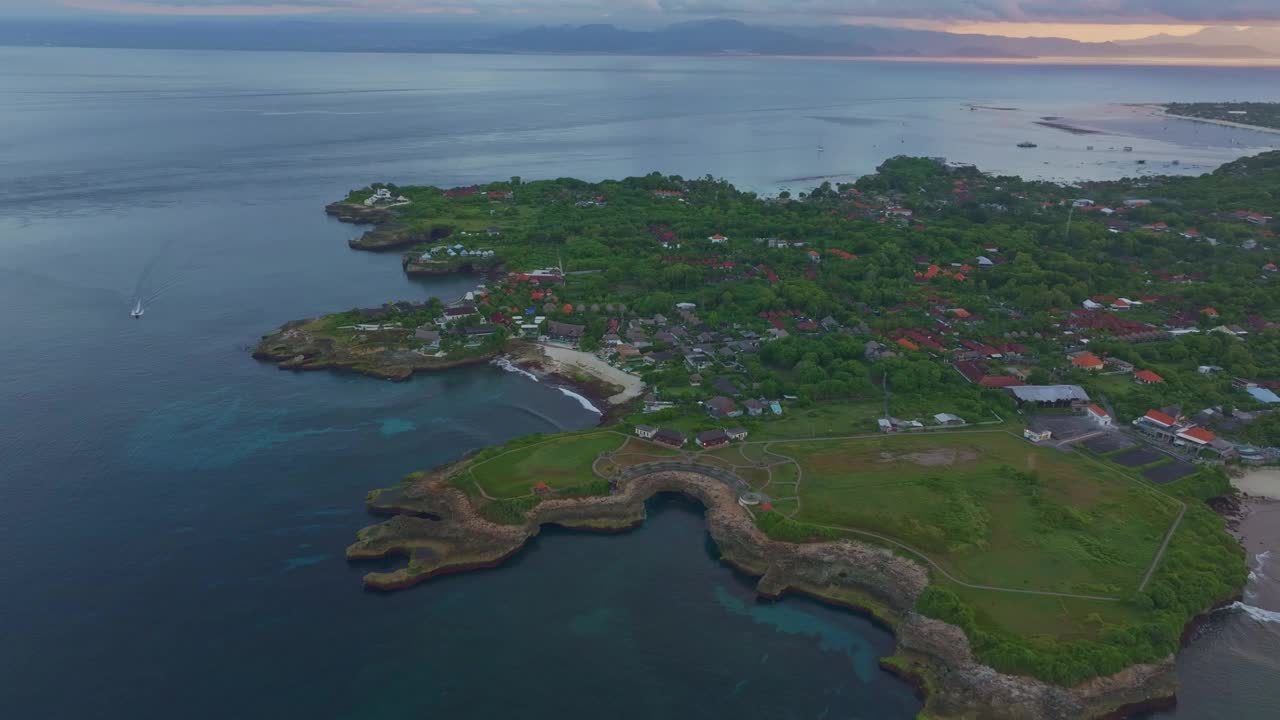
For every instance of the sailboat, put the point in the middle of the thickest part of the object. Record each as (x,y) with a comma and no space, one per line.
(137,310)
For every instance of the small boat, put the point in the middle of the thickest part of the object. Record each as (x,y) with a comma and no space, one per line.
(1027,144)
(1128,148)
(137,311)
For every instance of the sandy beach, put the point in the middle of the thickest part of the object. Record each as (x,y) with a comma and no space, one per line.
(1259,482)
(631,385)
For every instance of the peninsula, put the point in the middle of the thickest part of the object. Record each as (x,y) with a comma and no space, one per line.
(986,412)
(1264,116)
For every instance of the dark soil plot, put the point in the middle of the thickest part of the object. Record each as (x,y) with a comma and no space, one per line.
(1168,473)
(1063,427)
(1103,444)
(1137,457)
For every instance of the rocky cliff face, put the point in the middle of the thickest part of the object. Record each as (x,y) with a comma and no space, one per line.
(442,533)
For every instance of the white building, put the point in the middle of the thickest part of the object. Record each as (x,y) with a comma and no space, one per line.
(1099,416)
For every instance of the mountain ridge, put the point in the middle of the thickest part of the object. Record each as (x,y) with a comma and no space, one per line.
(697,37)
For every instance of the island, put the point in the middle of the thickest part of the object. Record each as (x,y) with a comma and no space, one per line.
(994,415)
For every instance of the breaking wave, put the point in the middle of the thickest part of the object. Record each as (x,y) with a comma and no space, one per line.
(1257,613)
(586,404)
(506,364)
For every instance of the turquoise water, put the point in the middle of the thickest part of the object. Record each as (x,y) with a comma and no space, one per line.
(173,514)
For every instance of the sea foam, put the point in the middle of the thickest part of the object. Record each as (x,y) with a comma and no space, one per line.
(586,404)
(507,365)
(1257,613)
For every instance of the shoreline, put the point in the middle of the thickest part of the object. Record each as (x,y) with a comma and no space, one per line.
(932,655)
(1164,112)
(1258,482)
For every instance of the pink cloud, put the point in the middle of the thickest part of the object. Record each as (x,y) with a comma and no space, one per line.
(125,7)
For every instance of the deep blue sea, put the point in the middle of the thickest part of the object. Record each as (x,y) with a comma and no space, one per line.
(173,514)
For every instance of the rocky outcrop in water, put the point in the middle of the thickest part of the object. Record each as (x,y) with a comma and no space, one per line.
(438,529)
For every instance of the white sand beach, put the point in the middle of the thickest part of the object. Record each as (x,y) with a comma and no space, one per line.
(586,362)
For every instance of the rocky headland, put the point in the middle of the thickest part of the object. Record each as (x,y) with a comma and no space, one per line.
(439,530)
(387,233)
(296,346)
(415,266)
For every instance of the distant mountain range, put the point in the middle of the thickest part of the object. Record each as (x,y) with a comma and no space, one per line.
(705,37)
(731,36)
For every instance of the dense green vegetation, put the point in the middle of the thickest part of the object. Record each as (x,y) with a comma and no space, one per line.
(1177,245)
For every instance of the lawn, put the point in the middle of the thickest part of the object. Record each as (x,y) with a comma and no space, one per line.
(560,462)
(990,507)
(1040,615)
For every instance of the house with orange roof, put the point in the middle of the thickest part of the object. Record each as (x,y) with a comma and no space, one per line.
(1146,377)
(1098,415)
(1197,435)
(1209,312)
(1087,361)
(1158,418)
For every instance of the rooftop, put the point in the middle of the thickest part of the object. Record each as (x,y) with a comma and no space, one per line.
(1050,393)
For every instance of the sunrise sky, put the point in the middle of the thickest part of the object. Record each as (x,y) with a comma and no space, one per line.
(1088,20)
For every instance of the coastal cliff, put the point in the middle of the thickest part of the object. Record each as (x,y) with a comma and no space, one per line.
(438,529)
(388,234)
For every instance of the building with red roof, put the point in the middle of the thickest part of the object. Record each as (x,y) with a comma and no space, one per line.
(1197,435)
(908,344)
(1098,415)
(1087,361)
(1159,418)
(1146,377)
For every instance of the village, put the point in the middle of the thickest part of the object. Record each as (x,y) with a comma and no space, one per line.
(700,358)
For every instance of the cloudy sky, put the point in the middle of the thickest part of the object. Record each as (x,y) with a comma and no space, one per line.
(1083,19)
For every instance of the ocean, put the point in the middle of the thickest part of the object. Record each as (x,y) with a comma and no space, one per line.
(173,513)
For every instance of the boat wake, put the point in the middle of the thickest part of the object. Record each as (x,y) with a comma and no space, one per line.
(586,404)
(508,366)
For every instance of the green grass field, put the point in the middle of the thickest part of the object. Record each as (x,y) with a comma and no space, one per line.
(990,507)
(560,462)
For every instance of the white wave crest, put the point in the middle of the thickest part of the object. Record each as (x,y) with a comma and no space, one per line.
(586,404)
(1257,613)
(506,364)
